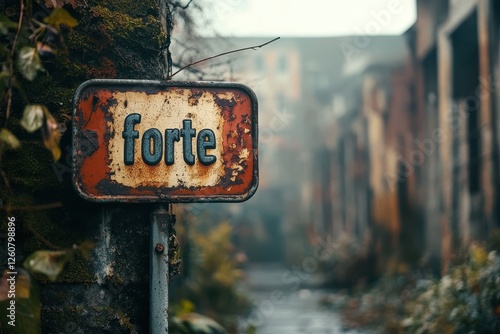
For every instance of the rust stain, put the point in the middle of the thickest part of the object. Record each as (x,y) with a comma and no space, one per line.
(193,99)
(91,118)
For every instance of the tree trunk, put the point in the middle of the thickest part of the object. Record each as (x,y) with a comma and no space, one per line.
(109,292)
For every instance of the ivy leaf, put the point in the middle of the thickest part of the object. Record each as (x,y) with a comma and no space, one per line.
(6,24)
(49,263)
(23,284)
(51,135)
(8,138)
(28,62)
(27,304)
(60,16)
(33,117)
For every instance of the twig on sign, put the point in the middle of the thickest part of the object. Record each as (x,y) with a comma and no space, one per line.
(255,47)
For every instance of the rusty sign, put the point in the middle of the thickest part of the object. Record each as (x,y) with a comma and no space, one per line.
(149,141)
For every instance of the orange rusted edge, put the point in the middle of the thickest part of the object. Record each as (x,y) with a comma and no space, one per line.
(91,171)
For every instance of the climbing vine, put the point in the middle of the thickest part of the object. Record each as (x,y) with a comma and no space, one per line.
(27,42)
(27,39)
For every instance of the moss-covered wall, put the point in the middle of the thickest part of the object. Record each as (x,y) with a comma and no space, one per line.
(108,293)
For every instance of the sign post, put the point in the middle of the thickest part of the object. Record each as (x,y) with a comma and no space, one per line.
(158,290)
(139,141)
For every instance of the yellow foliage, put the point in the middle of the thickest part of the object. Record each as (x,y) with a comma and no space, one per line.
(184,306)
(395,266)
(215,249)
(212,288)
(478,255)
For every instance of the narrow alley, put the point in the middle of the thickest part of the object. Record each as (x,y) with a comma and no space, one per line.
(284,306)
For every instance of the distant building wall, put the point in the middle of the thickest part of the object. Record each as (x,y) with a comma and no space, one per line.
(431,153)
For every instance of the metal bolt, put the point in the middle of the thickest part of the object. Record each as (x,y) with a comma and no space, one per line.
(159,248)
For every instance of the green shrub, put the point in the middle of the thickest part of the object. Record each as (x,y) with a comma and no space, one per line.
(466,300)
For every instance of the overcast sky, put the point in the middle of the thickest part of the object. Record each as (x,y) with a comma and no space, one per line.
(310,17)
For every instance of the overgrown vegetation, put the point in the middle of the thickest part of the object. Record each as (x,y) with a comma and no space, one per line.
(466,300)
(21,59)
(348,263)
(212,287)
(26,42)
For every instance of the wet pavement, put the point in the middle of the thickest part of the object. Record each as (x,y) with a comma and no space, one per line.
(288,301)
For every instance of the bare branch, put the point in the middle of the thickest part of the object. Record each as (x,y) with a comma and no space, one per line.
(223,54)
(177,4)
(11,64)
(39,207)
(19,23)
(41,238)
(168,26)
(192,70)
(2,173)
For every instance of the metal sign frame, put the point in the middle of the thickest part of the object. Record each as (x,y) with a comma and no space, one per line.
(93,127)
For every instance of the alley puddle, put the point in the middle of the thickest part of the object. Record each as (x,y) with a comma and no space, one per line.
(284,306)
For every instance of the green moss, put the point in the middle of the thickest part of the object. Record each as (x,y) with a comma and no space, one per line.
(129,21)
(139,8)
(117,23)
(29,167)
(48,88)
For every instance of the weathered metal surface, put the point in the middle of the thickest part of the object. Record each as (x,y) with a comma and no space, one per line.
(148,141)
(161,221)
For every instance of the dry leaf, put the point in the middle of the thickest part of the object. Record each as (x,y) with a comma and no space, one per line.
(49,263)
(28,62)
(86,247)
(60,16)
(6,24)
(51,135)
(8,138)
(33,116)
